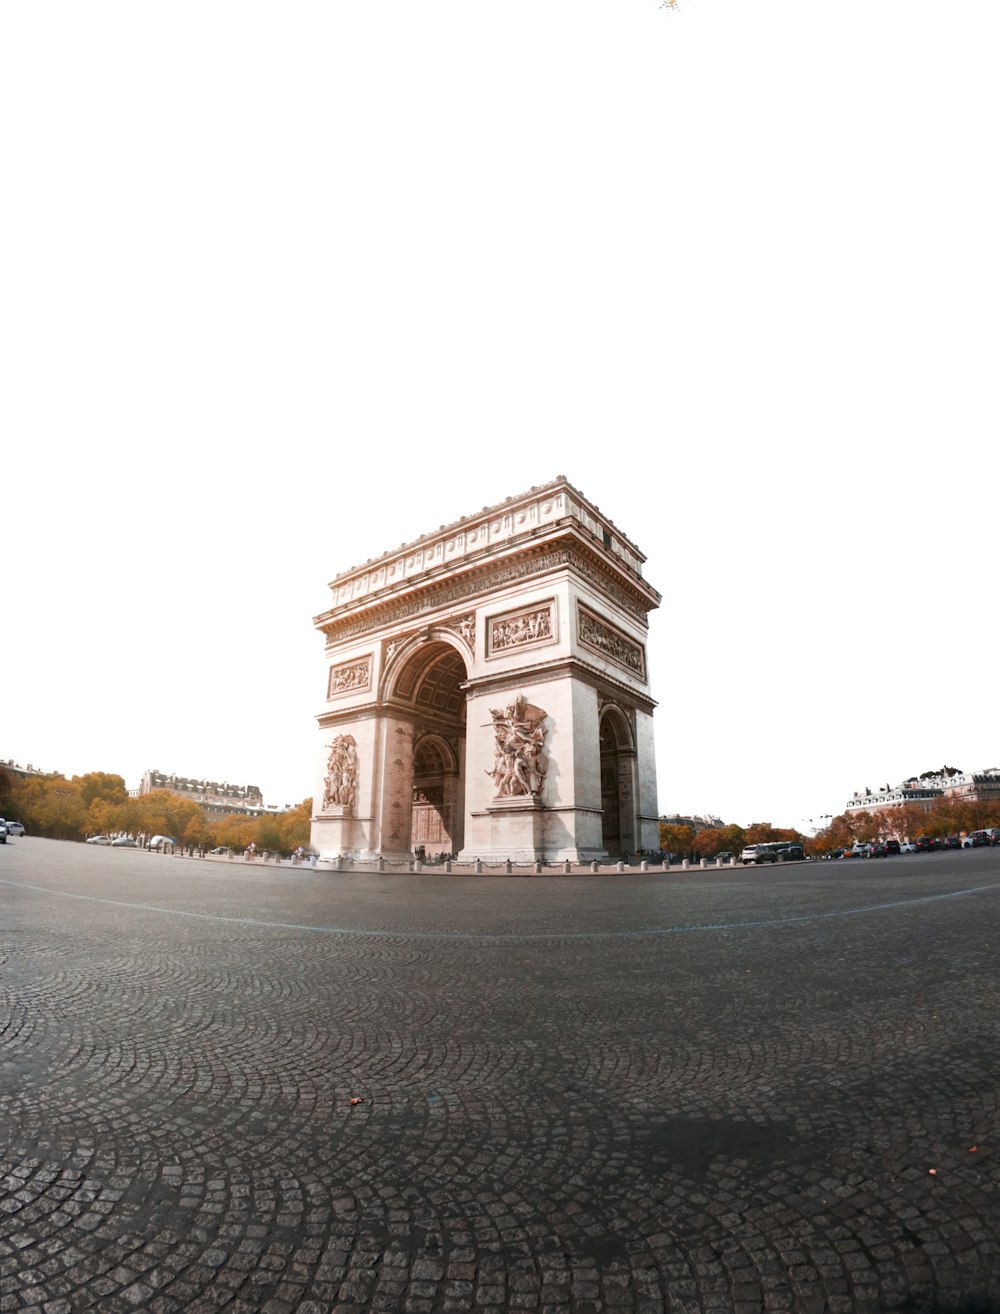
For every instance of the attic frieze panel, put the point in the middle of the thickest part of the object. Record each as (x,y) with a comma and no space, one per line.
(474,585)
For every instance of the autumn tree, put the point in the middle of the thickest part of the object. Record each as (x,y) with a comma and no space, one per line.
(233,832)
(761,832)
(61,812)
(676,839)
(713,840)
(101,785)
(7,785)
(105,817)
(296,826)
(161,813)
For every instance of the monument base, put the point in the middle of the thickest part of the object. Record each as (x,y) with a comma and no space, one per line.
(337,831)
(524,830)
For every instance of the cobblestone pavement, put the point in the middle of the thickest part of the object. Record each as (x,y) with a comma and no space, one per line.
(290,1091)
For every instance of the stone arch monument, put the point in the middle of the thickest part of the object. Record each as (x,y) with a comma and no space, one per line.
(487,692)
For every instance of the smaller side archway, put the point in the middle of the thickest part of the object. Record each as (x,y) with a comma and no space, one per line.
(618,774)
(436,815)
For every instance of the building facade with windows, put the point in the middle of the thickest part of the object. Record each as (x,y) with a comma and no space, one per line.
(968,786)
(220,800)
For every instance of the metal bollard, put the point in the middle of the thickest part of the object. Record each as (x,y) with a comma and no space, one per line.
(509,867)
(567,867)
(479,866)
(644,865)
(595,866)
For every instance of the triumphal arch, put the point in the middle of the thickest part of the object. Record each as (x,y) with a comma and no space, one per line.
(487,692)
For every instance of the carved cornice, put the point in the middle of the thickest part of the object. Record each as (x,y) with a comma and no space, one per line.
(429,596)
(542,504)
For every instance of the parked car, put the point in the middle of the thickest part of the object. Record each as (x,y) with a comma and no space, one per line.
(907,846)
(223,849)
(979,839)
(162,842)
(3,831)
(926,844)
(100,839)
(14,828)
(791,852)
(123,842)
(952,842)
(892,846)
(861,851)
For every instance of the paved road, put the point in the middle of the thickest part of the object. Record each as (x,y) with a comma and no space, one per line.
(740,1091)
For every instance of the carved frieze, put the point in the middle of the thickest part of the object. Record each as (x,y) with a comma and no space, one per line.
(350,677)
(600,637)
(527,627)
(473,585)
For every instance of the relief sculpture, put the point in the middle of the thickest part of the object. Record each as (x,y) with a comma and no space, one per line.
(340,783)
(603,639)
(349,676)
(518,765)
(528,627)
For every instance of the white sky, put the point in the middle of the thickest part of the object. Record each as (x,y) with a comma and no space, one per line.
(285,285)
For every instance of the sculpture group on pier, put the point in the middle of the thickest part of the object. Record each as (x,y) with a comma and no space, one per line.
(518,765)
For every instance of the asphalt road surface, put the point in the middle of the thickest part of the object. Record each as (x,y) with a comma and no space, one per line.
(288,1091)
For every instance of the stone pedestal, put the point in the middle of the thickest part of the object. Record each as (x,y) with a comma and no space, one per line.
(336,830)
(513,829)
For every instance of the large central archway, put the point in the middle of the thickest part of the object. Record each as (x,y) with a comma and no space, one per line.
(429,683)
